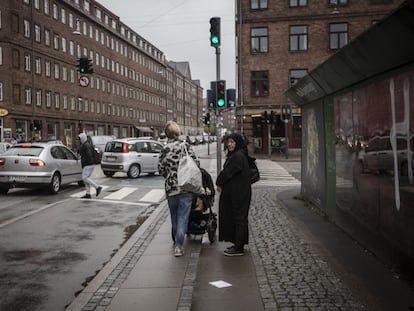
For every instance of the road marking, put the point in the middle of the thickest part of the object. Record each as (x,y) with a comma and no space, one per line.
(16,219)
(154,196)
(81,193)
(120,194)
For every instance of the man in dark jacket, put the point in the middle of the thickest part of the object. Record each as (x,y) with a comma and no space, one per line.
(234,184)
(88,164)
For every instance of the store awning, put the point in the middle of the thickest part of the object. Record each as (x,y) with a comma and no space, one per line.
(144,129)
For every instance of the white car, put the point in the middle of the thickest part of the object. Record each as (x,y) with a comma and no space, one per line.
(32,165)
(132,156)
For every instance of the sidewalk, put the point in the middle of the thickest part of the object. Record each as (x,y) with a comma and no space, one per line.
(296,260)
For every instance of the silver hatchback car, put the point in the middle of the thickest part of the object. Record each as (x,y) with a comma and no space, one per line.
(132,156)
(32,165)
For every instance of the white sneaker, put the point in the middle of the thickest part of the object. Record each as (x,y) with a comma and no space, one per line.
(178,251)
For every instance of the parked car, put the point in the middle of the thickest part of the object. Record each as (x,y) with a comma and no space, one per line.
(99,141)
(4,147)
(131,156)
(32,165)
(378,156)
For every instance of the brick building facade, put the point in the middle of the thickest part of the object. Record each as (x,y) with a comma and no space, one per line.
(278,43)
(132,92)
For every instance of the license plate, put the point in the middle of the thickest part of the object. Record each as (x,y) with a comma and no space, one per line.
(17,178)
(110,159)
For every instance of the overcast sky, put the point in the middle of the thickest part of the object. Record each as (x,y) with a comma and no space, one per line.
(181,29)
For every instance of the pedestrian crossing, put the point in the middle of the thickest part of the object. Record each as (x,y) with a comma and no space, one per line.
(274,175)
(118,195)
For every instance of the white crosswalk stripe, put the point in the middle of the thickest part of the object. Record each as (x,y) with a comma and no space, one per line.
(119,195)
(272,174)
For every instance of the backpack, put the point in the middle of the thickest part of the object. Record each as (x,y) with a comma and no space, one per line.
(254,171)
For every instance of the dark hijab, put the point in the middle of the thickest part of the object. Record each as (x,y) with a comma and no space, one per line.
(240,142)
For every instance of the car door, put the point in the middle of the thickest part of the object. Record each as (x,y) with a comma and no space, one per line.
(155,152)
(144,156)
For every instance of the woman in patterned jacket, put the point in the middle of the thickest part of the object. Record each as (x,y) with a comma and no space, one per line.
(179,201)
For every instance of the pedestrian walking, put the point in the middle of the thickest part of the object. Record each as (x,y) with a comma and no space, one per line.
(88,164)
(234,186)
(179,201)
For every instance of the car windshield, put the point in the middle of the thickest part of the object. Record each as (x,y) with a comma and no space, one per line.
(28,150)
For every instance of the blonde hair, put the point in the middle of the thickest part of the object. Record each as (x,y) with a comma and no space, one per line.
(172,130)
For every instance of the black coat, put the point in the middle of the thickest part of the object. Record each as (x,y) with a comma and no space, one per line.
(86,151)
(235,198)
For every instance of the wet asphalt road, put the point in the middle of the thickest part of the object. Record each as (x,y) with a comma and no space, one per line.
(47,256)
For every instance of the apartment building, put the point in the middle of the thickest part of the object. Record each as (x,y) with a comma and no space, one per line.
(278,42)
(132,91)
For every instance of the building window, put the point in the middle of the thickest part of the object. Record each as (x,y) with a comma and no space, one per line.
(295,75)
(63,45)
(258,4)
(27,95)
(1,55)
(338,35)
(27,62)
(38,66)
(36,4)
(259,83)
(47,37)
(298,38)
(1,91)
(46,7)
(72,103)
(259,40)
(297,3)
(37,32)
(55,11)
(338,2)
(38,97)
(48,99)
(64,73)
(63,16)
(56,41)
(65,102)
(47,68)
(57,71)
(26,25)
(57,100)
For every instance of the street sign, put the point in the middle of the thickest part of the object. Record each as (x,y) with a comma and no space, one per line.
(83,81)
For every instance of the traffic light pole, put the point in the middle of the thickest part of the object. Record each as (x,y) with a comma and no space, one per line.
(218,114)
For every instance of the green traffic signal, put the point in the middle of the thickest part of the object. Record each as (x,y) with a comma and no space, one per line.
(214,40)
(215,31)
(220,102)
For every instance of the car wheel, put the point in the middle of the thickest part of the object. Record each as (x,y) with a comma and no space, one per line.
(134,171)
(108,174)
(4,189)
(54,185)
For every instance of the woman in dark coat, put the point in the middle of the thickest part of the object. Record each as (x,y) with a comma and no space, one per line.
(234,184)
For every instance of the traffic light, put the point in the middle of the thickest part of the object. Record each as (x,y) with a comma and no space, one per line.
(85,65)
(37,125)
(231,98)
(215,31)
(207,119)
(221,94)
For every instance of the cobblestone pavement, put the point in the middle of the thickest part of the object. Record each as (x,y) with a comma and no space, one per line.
(291,275)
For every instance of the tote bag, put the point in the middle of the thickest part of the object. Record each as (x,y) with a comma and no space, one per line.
(188,174)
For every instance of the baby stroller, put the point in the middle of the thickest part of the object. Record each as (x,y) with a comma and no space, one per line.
(202,219)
